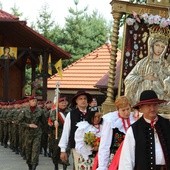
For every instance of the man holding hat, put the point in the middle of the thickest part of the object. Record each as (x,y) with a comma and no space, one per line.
(80,101)
(147,141)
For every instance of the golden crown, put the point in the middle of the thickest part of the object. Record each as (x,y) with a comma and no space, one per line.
(156,31)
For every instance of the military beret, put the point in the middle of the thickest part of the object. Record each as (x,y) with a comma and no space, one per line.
(48,102)
(61,99)
(32,98)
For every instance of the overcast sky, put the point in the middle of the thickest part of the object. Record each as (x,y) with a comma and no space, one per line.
(59,8)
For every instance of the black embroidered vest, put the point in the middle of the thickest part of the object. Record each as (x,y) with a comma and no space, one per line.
(75,116)
(145,143)
(117,139)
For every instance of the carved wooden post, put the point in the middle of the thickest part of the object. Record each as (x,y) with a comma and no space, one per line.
(33,78)
(108,105)
(6,80)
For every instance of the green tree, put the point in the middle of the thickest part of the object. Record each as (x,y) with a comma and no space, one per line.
(28,85)
(83,32)
(15,11)
(0,5)
(45,24)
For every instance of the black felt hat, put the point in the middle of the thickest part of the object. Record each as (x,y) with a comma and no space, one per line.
(79,93)
(148,97)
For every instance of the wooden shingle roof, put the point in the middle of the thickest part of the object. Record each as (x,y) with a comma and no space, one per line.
(6,16)
(85,72)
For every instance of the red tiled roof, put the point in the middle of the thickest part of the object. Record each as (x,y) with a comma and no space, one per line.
(102,83)
(86,72)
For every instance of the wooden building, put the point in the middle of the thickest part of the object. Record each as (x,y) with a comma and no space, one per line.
(29,46)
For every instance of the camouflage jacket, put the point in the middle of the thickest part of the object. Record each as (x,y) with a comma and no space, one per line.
(36,117)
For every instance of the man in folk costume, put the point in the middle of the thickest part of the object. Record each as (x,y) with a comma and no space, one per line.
(80,101)
(115,125)
(147,142)
(53,142)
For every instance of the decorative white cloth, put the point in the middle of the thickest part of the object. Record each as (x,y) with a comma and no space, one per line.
(84,127)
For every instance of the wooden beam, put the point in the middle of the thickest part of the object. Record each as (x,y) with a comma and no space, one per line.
(45,75)
(128,8)
(6,80)
(15,61)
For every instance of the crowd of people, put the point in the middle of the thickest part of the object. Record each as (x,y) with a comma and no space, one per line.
(27,127)
(95,141)
(118,140)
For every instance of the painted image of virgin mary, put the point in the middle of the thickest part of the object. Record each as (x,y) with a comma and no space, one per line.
(149,73)
(6,54)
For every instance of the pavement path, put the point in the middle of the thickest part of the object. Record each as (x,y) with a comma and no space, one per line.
(11,161)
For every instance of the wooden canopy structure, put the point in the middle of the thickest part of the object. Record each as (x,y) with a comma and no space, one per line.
(119,9)
(30,46)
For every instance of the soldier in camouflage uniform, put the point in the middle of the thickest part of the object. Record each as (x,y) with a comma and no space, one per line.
(5,125)
(17,111)
(44,137)
(1,123)
(32,119)
(22,134)
(11,127)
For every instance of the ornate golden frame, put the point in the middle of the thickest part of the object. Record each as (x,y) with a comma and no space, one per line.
(118,9)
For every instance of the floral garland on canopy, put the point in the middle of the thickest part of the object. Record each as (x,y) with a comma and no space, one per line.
(148,19)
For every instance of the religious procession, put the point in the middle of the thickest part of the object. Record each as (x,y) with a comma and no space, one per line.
(128,130)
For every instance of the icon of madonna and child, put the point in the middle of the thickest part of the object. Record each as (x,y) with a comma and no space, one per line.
(8,53)
(153,71)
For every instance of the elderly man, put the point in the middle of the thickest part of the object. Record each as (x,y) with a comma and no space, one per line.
(147,141)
